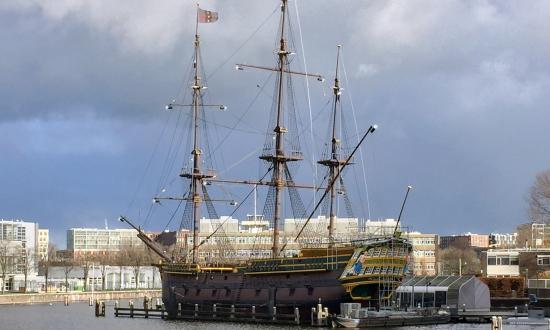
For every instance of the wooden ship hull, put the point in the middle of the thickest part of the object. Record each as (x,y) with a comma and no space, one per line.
(290,283)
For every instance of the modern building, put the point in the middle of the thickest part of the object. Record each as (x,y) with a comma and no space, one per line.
(380,227)
(500,262)
(464,241)
(533,265)
(344,228)
(423,260)
(540,235)
(503,241)
(228,238)
(100,277)
(93,241)
(43,243)
(18,250)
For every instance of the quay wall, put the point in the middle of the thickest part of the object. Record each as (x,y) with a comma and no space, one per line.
(41,298)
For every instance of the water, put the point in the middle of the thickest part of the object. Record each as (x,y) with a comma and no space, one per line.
(81,316)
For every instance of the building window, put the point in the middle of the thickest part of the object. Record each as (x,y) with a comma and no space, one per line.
(543,260)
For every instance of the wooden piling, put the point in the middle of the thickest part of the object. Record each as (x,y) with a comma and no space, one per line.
(146,306)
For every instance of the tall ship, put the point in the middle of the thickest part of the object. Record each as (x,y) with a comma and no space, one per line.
(300,269)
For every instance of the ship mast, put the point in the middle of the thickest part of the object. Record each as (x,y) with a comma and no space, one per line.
(279,157)
(334,164)
(279,160)
(196,175)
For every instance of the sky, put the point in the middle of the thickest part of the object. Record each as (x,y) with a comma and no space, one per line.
(458,89)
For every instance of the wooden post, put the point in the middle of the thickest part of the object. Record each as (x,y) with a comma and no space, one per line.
(146,306)
(297,315)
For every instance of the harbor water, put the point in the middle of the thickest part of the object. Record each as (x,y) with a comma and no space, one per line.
(81,316)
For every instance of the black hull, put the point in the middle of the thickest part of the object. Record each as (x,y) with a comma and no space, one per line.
(286,291)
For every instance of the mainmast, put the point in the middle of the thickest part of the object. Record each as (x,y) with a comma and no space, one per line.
(278,156)
(334,163)
(279,159)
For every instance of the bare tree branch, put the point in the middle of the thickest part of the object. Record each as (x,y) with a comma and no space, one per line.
(539,198)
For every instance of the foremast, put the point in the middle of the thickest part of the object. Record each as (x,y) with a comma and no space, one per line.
(197,175)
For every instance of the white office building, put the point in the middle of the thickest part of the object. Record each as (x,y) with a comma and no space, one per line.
(19,250)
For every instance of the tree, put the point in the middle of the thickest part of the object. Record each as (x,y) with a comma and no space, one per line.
(137,259)
(28,263)
(539,198)
(524,238)
(103,260)
(121,260)
(86,262)
(68,266)
(46,262)
(453,261)
(6,261)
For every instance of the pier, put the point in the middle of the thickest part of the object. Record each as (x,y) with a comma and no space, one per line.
(214,312)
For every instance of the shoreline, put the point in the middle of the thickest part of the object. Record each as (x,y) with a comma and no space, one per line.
(41,298)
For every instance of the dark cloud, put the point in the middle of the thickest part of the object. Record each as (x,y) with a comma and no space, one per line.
(458,89)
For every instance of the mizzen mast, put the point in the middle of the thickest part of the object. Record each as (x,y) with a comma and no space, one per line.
(335,162)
